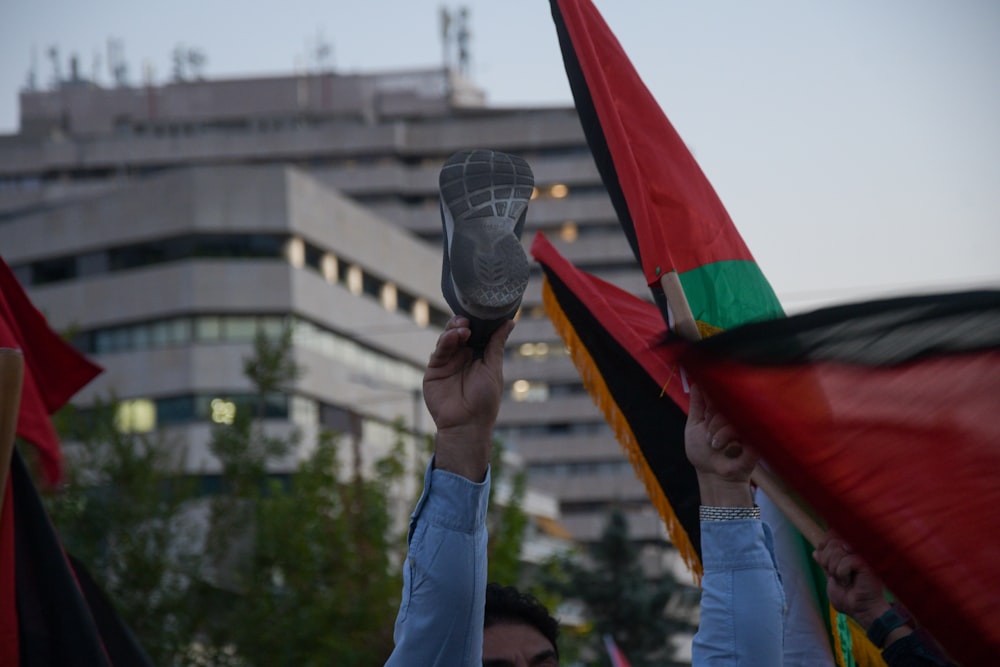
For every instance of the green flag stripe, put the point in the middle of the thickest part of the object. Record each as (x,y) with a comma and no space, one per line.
(730,293)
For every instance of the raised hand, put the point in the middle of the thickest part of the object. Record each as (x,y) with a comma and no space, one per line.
(851,585)
(722,462)
(463,396)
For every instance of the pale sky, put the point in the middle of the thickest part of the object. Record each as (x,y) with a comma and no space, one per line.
(855,143)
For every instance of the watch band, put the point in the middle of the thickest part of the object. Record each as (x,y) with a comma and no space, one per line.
(710,513)
(886,623)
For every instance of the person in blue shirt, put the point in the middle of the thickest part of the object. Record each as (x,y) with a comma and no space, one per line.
(443,619)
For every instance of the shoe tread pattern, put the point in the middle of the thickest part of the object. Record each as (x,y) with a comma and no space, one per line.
(487,195)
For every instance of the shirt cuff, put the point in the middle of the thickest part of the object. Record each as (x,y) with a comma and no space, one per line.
(736,545)
(452,501)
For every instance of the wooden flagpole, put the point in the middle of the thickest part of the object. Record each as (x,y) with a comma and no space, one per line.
(686,326)
(11,378)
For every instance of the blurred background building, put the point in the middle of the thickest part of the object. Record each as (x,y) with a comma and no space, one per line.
(165,224)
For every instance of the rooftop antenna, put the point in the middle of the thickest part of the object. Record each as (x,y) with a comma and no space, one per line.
(196,60)
(116,63)
(31,83)
(323,53)
(95,66)
(455,38)
(462,37)
(179,63)
(445,23)
(57,78)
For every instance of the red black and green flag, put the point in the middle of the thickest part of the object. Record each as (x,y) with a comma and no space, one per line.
(883,416)
(703,280)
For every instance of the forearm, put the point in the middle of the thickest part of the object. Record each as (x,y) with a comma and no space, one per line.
(718,492)
(464,450)
(742,601)
(440,621)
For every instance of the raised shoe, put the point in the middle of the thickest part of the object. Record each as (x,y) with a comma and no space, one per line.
(484,199)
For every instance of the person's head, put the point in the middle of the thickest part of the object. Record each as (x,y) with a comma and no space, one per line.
(518,630)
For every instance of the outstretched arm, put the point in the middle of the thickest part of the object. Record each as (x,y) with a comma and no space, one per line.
(855,590)
(742,602)
(440,620)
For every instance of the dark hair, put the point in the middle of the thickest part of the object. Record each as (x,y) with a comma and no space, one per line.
(506,605)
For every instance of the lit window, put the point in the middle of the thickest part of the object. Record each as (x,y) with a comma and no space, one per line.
(421,312)
(558,191)
(355,279)
(389,301)
(520,389)
(136,416)
(568,232)
(329,268)
(525,391)
(295,252)
(537,351)
(223,412)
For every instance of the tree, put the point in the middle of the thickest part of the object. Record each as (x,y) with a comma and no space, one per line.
(118,512)
(506,520)
(619,598)
(291,569)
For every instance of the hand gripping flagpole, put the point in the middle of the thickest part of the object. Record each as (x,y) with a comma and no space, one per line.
(686,326)
(11,378)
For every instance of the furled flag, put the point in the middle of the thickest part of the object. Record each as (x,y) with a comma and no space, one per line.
(703,280)
(883,416)
(618,658)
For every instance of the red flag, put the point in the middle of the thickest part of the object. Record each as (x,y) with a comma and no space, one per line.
(674,221)
(883,416)
(53,370)
(703,280)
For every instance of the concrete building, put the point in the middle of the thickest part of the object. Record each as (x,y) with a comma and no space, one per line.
(109,197)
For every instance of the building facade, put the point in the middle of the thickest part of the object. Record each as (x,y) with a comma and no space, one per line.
(324,188)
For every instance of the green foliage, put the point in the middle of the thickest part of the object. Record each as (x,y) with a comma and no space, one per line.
(619,598)
(506,522)
(117,513)
(254,569)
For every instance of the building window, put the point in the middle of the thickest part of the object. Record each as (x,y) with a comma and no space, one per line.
(389,297)
(295,252)
(328,268)
(137,415)
(53,270)
(208,328)
(530,392)
(355,280)
(569,231)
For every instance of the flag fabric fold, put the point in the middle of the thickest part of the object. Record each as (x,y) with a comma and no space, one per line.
(882,415)
(53,370)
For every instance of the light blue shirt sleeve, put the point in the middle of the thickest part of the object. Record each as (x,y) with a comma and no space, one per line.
(440,620)
(742,601)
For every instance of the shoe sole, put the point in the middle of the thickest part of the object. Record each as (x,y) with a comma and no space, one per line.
(484,199)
